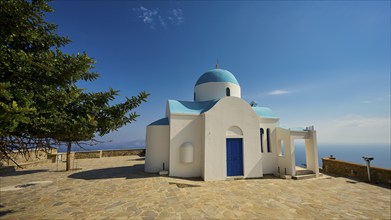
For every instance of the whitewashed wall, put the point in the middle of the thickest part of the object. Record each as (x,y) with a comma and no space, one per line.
(228,112)
(311,147)
(286,163)
(215,90)
(157,148)
(183,129)
(269,159)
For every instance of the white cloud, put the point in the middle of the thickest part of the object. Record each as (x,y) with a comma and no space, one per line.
(154,17)
(162,22)
(355,129)
(379,99)
(279,92)
(148,16)
(176,16)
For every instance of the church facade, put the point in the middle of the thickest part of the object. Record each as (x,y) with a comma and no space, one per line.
(218,136)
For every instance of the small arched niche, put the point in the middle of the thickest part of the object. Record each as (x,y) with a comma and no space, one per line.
(187,153)
(234,131)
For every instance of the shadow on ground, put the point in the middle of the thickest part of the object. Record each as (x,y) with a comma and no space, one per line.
(137,159)
(128,172)
(4,212)
(195,179)
(22,172)
(352,180)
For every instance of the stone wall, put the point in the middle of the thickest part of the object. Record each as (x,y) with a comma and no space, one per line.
(356,171)
(38,157)
(118,153)
(32,156)
(105,153)
(87,154)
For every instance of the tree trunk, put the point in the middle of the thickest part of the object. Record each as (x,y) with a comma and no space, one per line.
(69,156)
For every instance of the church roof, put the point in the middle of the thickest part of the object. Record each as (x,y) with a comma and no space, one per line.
(190,108)
(217,75)
(162,121)
(197,108)
(264,112)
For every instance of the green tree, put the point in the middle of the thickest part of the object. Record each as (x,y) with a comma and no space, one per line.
(91,114)
(40,102)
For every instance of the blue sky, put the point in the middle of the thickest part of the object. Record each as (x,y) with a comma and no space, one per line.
(321,63)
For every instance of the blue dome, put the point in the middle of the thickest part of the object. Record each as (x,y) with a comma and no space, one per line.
(217,75)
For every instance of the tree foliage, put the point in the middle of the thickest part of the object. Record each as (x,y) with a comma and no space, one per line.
(39,98)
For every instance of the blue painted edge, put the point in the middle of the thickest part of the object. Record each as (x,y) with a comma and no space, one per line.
(162,121)
(190,108)
(264,112)
(217,75)
(293,129)
(297,129)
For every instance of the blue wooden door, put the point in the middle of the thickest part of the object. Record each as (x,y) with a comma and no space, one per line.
(234,157)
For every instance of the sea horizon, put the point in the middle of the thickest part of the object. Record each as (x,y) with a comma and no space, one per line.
(347,152)
(350,153)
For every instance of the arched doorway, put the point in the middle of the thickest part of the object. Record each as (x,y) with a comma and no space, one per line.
(234,149)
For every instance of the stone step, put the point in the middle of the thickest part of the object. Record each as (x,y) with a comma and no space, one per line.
(304,177)
(163,173)
(303,172)
(234,178)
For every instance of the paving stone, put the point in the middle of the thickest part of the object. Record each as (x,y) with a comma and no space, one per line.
(117,188)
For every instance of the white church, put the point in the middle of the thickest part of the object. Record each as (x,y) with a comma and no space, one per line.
(219,136)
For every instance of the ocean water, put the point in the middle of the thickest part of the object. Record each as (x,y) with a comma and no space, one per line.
(351,153)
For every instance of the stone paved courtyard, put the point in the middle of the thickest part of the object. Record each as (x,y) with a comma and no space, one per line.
(117,188)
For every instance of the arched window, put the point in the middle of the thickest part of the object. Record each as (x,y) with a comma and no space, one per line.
(194,96)
(281,150)
(262,132)
(227,92)
(268,140)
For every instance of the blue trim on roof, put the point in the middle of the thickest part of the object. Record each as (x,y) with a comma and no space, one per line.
(297,129)
(264,112)
(293,129)
(162,121)
(217,75)
(192,108)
